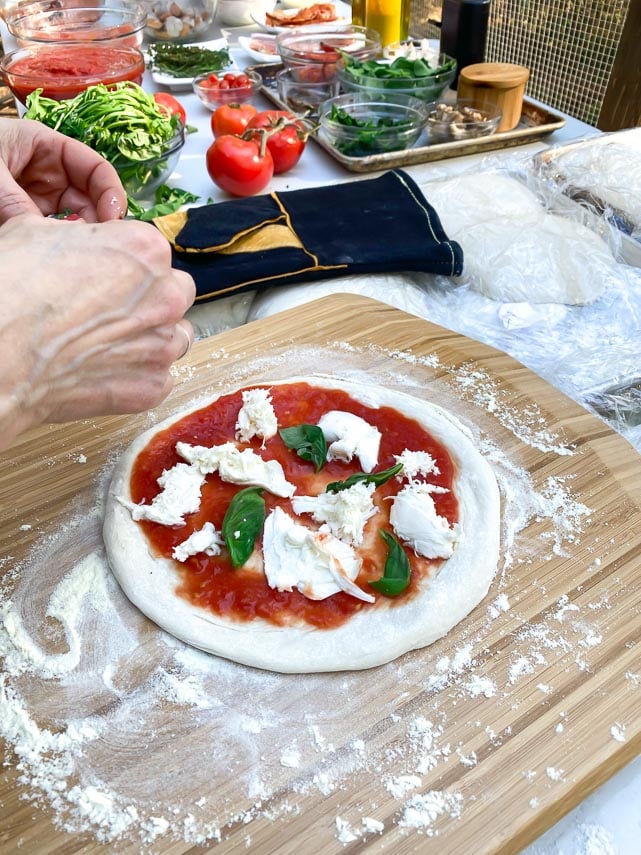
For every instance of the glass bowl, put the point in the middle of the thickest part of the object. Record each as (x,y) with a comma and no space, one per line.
(461,121)
(116,22)
(354,78)
(179,20)
(205,86)
(64,70)
(141,178)
(388,122)
(314,54)
(303,96)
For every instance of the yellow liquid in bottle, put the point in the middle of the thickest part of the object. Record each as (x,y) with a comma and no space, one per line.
(358,12)
(390,18)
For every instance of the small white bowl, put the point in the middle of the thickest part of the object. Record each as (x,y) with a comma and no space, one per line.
(238,13)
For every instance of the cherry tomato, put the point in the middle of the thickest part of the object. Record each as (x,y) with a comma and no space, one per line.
(231,118)
(239,166)
(170,105)
(287,142)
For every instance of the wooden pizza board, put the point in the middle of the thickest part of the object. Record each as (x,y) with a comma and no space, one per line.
(519,757)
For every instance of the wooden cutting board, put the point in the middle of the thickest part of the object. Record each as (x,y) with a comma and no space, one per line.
(477,744)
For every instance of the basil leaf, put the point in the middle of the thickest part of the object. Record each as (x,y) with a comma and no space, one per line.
(167,200)
(377,478)
(396,576)
(243,523)
(308,441)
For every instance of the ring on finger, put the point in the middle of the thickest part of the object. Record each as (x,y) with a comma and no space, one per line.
(188,342)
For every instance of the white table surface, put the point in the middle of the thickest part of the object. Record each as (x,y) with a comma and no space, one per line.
(609,821)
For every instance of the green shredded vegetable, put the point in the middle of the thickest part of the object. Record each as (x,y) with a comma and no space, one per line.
(121,122)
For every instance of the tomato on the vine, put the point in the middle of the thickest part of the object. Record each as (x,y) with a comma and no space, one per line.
(231,118)
(287,139)
(170,105)
(241,167)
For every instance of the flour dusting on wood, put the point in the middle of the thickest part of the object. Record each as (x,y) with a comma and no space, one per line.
(119,730)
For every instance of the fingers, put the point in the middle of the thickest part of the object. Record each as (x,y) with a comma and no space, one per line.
(94,181)
(184,331)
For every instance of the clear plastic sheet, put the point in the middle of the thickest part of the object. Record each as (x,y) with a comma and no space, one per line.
(603,172)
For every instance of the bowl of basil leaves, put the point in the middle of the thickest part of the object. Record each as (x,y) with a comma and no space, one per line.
(358,125)
(403,76)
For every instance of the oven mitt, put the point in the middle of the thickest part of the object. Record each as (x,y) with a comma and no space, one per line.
(374,225)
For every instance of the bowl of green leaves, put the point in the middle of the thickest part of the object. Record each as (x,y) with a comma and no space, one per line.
(125,125)
(403,76)
(359,125)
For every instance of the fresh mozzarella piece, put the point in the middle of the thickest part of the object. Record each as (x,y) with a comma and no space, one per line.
(256,417)
(350,435)
(314,562)
(344,512)
(237,467)
(414,519)
(206,540)
(416,463)
(180,495)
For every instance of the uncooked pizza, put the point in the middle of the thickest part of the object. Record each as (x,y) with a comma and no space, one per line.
(309,525)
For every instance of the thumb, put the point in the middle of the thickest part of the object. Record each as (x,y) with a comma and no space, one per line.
(13,199)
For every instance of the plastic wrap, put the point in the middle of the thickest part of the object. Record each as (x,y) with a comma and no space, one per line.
(516,247)
(604,173)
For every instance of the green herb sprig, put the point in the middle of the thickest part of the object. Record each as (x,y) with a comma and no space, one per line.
(376,478)
(186,60)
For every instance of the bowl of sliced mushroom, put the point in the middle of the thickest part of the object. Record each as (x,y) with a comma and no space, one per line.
(178,20)
(462,120)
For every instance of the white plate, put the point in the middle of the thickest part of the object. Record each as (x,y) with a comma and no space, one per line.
(250,45)
(177,83)
(343,11)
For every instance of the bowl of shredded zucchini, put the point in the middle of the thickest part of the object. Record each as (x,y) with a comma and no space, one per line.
(125,125)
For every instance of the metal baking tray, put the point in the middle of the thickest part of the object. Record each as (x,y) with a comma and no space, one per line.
(536,122)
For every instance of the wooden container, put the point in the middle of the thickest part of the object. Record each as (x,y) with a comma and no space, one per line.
(500,84)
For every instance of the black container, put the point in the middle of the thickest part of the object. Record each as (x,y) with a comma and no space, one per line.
(464,31)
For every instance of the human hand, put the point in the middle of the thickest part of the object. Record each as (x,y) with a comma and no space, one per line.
(43,171)
(91,319)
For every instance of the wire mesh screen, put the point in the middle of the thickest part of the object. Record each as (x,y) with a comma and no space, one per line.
(568,45)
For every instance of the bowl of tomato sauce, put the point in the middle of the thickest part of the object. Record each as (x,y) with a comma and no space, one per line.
(116,22)
(63,70)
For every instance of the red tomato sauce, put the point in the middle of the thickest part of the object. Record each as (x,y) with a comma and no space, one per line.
(63,72)
(243,593)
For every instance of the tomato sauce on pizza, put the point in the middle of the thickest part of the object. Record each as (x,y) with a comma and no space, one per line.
(242,593)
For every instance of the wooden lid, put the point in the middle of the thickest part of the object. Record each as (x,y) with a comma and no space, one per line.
(500,75)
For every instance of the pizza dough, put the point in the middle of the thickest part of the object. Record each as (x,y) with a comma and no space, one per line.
(516,251)
(371,636)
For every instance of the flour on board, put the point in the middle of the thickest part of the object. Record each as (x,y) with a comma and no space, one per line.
(70,640)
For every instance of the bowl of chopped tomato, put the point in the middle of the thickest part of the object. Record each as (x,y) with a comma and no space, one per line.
(64,70)
(314,55)
(230,87)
